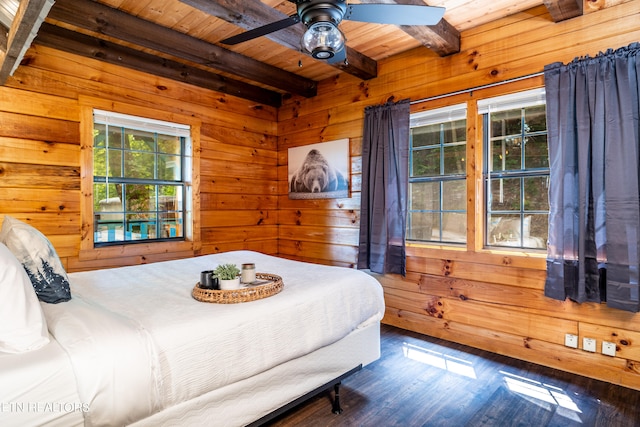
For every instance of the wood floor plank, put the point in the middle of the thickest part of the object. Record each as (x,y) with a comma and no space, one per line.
(516,407)
(421,381)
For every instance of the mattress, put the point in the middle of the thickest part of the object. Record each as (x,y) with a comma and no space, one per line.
(139,343)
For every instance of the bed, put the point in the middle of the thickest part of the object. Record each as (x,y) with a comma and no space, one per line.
(133,347)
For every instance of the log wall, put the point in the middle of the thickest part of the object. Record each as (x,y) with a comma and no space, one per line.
(492,300)
(40,157)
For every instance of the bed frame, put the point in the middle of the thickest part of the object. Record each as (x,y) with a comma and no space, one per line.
(335,406)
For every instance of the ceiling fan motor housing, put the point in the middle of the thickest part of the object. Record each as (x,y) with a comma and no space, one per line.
(312,11)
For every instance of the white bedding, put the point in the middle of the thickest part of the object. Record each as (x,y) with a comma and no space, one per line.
(139,343)
(39,388)
(244,402)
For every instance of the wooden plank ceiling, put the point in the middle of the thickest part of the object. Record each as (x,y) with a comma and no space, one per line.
(179,39)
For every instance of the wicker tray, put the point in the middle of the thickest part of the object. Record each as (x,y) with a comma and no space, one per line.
(245,294)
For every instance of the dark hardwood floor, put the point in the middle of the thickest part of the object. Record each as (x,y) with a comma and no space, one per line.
(424,381)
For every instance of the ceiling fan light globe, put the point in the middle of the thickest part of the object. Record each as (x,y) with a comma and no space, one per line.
(322,40)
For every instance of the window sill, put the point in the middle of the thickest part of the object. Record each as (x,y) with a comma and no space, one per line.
(166,249)
(438,246)
(492,256)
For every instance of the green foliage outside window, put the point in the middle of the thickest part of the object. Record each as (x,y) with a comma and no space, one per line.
(515,167)
(517,178)
(138,188)
(437,183)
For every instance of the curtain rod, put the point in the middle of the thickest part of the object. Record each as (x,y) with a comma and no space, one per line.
(460,92)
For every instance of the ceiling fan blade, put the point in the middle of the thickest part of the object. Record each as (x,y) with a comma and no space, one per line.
(262,31)
(340,56)
(397,14)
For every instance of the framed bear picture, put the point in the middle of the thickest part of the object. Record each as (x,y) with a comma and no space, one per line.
(319,171)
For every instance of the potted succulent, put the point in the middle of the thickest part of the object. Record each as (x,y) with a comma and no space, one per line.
(228,276)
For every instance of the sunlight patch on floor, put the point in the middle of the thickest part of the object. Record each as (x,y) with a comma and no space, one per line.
(439,360)
(544,395)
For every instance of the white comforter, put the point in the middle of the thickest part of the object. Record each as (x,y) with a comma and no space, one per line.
(139,342)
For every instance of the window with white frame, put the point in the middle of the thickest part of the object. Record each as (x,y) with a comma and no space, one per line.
(516,170)
(141,175)
(437,210)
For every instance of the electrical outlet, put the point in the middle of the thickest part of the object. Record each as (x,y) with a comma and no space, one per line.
(609,348)
(589,344)
(571,340)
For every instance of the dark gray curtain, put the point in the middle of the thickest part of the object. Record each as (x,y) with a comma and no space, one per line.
(594,222)
(385,169)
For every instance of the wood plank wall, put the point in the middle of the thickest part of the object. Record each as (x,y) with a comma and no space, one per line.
(487,299)
(40,174)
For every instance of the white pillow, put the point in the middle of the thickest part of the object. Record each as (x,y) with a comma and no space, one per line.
(22,323)
(39,258)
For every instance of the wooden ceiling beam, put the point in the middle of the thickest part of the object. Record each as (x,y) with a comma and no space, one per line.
(442,38)
(114,23)
(29,17)
(252,14)
(91,47)
(561,10)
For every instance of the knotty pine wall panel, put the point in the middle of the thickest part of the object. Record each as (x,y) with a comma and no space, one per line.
(40,157)
(39,165)
(489,299)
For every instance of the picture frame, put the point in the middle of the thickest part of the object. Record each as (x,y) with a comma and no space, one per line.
(319,171)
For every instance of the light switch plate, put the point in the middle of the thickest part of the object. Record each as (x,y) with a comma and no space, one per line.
(571,340)
(589,344)
(609,348)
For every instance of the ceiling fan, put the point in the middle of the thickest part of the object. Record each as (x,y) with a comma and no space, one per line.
(323,39)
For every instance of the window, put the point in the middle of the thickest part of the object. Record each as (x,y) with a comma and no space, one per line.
(437,176)
(141,169)
(516,170)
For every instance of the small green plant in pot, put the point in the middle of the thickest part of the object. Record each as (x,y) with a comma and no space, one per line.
(226,271)
(228,275)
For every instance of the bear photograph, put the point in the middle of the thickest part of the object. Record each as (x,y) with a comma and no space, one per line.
(319,171)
